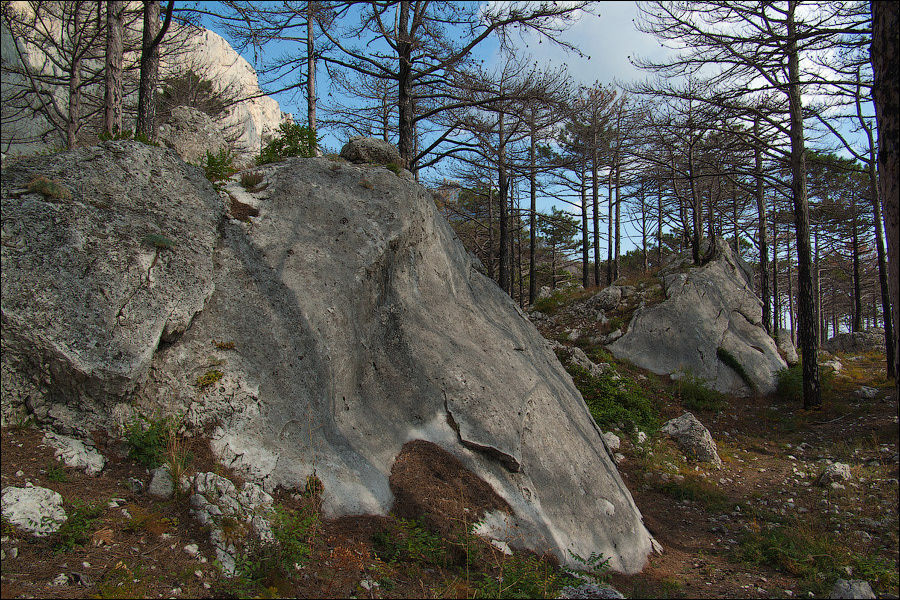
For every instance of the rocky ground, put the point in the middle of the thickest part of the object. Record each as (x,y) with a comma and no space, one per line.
(764,523)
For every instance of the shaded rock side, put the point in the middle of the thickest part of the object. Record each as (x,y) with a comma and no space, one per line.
(706,308)
(94,280)
(345,322)
(856,341)
(191,133)
(360,323)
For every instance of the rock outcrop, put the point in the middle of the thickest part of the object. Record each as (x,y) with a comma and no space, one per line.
(856,341)
(120,263)
(37,510)
(370,150)
(191,133)
(246,124)
(692,438)
(342,322)
(709,312)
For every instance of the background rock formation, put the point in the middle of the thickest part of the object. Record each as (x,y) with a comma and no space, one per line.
(341,323)
(708,310)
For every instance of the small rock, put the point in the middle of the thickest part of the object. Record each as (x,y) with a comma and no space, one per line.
(853,588)
(60,580)
(641,437)
(368,584)
(618,457)
(693,438)
(612,441)
(835,472)
(20,473)
(192,550)
(867,393)
(502,547)
(135,485)
(75,453)
(161,485)
(37,510)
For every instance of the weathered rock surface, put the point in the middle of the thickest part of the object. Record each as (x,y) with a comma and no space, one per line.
(856,341)
(573,355)
(587,591)
(215,499)
(692,438)
(75,453)
(191,133)
(853,588)
(370,150)
(123,263)
(786,347)
(35,509)
(835,473)
(349,321)
(161,484)
(706,308)
(606,299)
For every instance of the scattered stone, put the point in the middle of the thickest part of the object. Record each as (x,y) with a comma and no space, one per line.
(75,453)
(641,437)
(370,150)
(833,364)
(618,457)
(573,355)
(502,547)
(368,584)
(612,440)
(606,299)
(216,498)
(853,588)
(60,580)
(587,591)
(161,485)
(192,550)
(37,510)
(867,393)
(693,438)
(544,292)
(835,472)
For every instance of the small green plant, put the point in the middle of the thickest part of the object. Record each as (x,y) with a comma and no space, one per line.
(251,179)
(595,567)
(55,472)
(789,383)
(394,168)
(731,361)
(50,188)
(521,576)
(612,401)
(77,528)
(209,378)
(219,165)
(409,541)
(293,139)
(695,394)
(222,345)
(148,439)
(158,241)
(615,323)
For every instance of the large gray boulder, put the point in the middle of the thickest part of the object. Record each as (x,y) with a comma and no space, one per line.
(191,133)
(370,150)
(786,347)
(707,308)
(95,280)
(856,341)
(693,438)
(345,322)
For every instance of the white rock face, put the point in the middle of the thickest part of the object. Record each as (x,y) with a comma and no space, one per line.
(359,323)
(76,453)
(34,509)
(247,123)
(707,308)
(251,121)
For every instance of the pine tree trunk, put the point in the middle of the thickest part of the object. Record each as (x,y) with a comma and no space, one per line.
(812,395)
(595,195)
(406,142)
(585,240)
(504,197)
(310,66)
(856,324)
(146,119)
(885,55)
(609,228)
(617,227)
(882,266)
(532,234)
(112,106)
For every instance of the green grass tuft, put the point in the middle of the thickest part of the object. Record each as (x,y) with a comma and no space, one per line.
(695,394)
(50,188)
(613,401)
(158,241)
(731,361)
